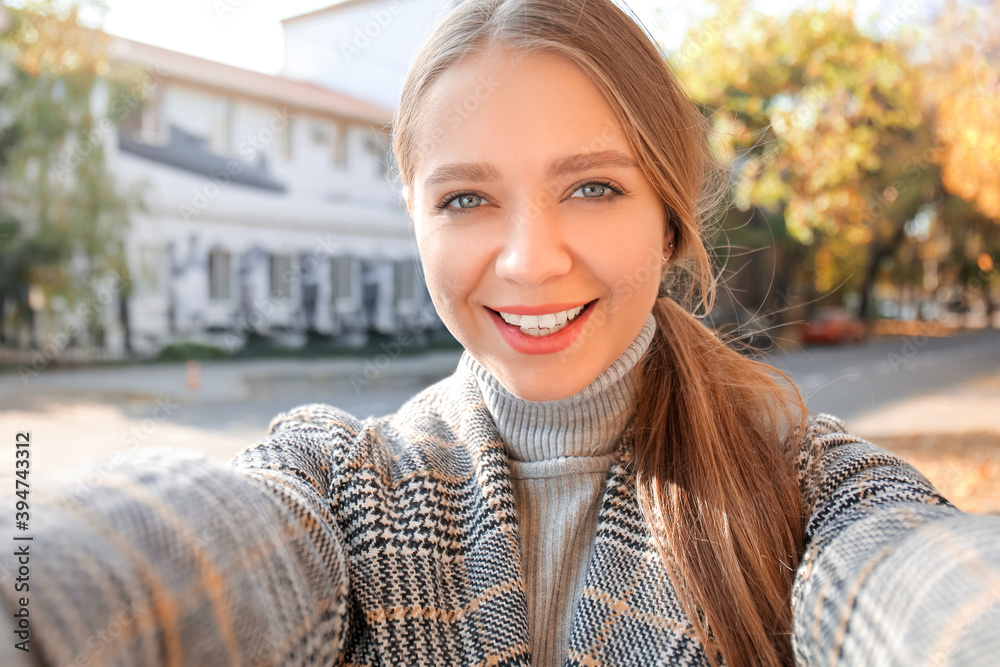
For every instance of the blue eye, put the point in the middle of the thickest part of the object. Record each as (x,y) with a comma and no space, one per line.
(465,201)
(596,190)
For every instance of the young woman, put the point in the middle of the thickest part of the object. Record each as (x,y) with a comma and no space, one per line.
(601,482)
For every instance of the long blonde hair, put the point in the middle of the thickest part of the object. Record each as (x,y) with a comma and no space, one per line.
(714,434)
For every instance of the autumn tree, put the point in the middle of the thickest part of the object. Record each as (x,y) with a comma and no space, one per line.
(960,54)
(823,128)
(62,219)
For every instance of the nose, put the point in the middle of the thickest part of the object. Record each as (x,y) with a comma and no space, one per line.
(534,249)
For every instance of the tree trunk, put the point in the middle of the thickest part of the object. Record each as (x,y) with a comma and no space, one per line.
(879,251)
(126,327)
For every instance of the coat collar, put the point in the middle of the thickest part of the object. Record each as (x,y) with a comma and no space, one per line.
(628,613)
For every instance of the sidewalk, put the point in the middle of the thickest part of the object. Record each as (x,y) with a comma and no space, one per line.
(952,436)
(220,382)
(76,415)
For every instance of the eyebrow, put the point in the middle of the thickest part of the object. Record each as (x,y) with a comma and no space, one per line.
(486,173)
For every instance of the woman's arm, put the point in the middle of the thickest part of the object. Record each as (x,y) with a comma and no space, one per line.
(892,574)
(160,558)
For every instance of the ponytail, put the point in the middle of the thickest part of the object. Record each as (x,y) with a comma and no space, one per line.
(715,437)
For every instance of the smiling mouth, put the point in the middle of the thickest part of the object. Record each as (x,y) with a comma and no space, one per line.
(543,325)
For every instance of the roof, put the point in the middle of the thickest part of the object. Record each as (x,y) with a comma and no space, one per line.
(282,90)
(336,6)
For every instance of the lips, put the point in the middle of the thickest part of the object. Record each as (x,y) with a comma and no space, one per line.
(541,329)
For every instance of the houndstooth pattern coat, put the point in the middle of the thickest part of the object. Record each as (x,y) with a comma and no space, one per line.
(394,541)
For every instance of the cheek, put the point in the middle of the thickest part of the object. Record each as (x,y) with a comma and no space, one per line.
(448,270)
(630,260)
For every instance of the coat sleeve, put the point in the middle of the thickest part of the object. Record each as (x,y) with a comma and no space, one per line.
(892,574)
(163,558)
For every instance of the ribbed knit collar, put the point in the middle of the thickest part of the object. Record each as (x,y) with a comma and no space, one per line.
(587,423)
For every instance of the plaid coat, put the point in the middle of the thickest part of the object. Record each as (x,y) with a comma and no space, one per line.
(394,541)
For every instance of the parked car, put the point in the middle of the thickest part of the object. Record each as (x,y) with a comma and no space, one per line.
(832,326)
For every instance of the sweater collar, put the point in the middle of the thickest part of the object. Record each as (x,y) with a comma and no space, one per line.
(587,423)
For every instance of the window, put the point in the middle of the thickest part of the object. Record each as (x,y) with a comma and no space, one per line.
(342,277)
(283,141)
(339,147)
(150,129)
(281,276)
(154,271)
(142,122)
(378,147)
(221,120)
(219,276)
(333,138)
(406,274)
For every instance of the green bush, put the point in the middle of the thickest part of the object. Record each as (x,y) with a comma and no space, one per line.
(189,351)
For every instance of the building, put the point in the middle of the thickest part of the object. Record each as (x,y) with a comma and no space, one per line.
(270,210)
(360,47)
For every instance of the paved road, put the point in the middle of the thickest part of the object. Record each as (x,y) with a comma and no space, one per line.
(75,415)
(852,381)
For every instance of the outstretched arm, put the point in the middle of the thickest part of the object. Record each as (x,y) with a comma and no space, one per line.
(892,574)
(173,559)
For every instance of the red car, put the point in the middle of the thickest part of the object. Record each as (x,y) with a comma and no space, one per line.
(832,326)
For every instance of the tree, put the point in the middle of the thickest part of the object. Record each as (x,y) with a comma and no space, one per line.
(823,127)
(963,65)
(63,217)
(960,53)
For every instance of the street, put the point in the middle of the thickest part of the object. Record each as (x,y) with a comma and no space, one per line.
(853,381)
(890,387)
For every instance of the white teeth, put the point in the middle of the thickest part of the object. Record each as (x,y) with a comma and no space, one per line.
(542,325)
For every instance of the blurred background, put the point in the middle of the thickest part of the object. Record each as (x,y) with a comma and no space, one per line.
(199,225)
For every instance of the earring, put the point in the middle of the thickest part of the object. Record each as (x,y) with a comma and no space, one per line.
(665,258)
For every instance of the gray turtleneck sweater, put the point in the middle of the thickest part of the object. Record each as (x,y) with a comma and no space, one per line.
(559,453)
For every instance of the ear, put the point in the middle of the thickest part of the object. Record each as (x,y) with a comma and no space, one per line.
(408,198)
(668,236)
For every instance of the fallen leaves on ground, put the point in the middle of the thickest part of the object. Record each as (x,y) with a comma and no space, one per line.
(965,467)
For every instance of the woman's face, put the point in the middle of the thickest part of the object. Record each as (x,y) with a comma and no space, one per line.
(529,205)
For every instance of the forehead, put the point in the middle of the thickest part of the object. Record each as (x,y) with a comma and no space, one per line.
(514,108)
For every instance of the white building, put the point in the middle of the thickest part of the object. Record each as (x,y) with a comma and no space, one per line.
(360,47)
(269,210)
